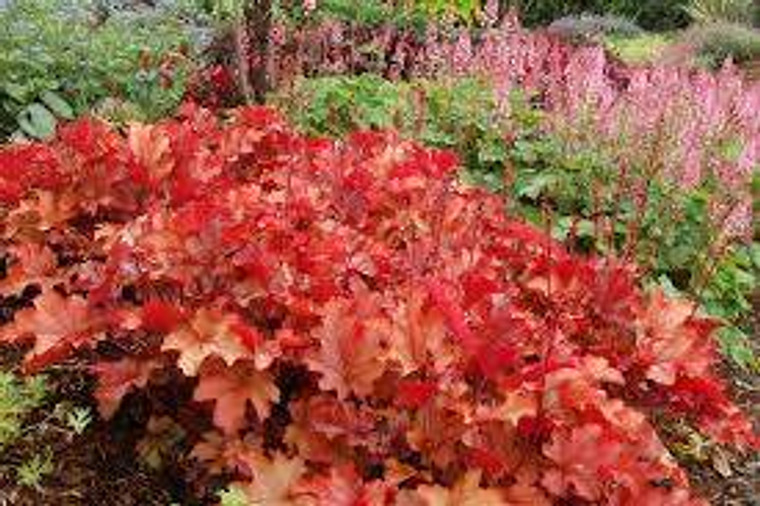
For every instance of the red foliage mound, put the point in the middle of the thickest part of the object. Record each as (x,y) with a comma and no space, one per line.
(447,354)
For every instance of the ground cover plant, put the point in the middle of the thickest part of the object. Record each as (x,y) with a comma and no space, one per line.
(377,331)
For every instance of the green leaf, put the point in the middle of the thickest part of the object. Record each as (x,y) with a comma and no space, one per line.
(535,185)
(233,496)
(754,252)
(31,472)
(16,91)
(735,345)
(58,105)
(37,121)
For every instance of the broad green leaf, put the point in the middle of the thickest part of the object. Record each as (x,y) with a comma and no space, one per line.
(16,91)
(37,121)
(58,105)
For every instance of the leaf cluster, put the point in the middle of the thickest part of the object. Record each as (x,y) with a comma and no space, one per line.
(357,324)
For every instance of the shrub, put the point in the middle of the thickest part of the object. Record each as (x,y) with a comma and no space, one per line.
(722,11)
(356,323)
(587,27)
(643,49)
(649,14)
(715,43)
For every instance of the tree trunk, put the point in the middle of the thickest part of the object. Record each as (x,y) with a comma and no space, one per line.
(258,20)
(242,61)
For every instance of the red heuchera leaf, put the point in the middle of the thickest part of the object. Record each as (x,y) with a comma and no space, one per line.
(323,427)
(413,394)
(160,316)
(208,334)
(466,492)
(349,355)
(34,264)
(342,487)
(231,388)
(273,481)
(58,325)
(116,379)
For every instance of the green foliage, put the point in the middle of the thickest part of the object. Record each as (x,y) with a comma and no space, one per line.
(29,420)
(17,399)
(60,59)
(334,106)
(31,472)
(716,42)
(649,14)
(727,296)
(645,48)
(729,11)
(233,496)
(372,13)
(460,114)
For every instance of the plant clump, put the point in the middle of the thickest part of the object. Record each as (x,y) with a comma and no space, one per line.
(357,324)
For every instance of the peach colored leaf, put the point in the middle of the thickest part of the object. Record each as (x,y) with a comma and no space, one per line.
(342,487)
(349,355)
(152,148)
(221,453)
(57,323)
(273,479)
(466,492)
(670,344)
(209,333)
(418,336)
(580,454)
(231,388)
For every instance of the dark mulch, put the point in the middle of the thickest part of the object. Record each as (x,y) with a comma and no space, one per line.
(98,467)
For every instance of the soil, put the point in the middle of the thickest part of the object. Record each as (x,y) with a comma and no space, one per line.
(98,467)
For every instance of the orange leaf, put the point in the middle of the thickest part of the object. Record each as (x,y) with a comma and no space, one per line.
(671,344)
(343,487)
(349,354)
(418,335)
(34,264)
(58,324)
(273,480)
(231,388)
(210,333)
(466,492)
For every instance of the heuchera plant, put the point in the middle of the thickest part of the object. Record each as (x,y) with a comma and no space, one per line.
(446,353)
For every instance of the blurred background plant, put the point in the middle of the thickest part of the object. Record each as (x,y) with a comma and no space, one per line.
(61,58)
(714,43)
(656,15)
(594,27)
(723,11)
